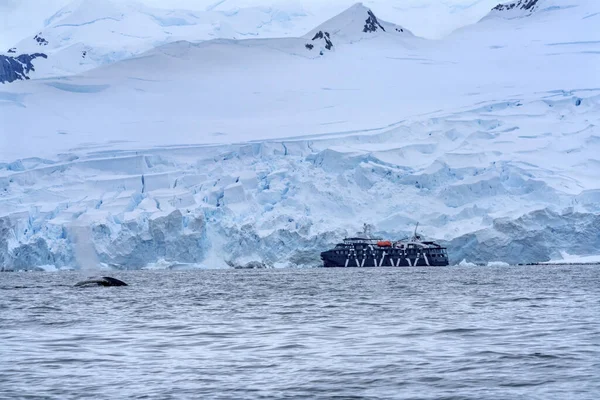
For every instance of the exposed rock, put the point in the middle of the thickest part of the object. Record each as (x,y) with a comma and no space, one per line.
(522,4)
(40,40)
(17,68)
(325,37)
(372,24)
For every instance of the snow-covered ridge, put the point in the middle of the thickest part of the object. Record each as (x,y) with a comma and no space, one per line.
(356,23)
(525,8)
(91,33)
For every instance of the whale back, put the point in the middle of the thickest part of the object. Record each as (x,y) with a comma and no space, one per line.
(102,281)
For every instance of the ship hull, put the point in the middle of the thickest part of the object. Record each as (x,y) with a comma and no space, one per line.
(382,259)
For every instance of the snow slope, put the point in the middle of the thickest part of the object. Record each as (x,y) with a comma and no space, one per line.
(428,18)
(86,34)
(229,152)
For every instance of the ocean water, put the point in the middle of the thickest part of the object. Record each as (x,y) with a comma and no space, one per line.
(411,333)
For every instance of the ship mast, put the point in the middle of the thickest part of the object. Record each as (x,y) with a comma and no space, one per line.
(415,236)
(367,230)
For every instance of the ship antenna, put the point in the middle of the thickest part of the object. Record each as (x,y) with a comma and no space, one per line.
(367,230)
(415,237)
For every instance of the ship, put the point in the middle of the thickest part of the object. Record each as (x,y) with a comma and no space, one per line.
(364,251)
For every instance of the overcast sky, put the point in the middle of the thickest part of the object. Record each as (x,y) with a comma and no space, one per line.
(428,18)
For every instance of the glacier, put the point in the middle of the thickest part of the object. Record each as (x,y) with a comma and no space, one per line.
(262,152)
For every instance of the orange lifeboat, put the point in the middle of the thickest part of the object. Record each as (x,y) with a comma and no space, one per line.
(384,243)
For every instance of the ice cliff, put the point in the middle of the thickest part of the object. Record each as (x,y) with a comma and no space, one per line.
(279,203)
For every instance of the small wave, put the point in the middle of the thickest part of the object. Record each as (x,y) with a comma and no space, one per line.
(458,330)
(44,308)
(517,299)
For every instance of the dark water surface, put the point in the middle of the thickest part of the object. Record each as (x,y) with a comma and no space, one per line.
(448,333)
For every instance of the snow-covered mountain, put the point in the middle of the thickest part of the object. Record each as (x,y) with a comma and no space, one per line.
(84,34)
(427,18)
(227,152)
(358,23)
(90,33)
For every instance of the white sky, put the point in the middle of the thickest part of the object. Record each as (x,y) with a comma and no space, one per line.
(428,18)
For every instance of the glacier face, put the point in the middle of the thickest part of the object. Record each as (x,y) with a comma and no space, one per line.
(280,202)
(204,154)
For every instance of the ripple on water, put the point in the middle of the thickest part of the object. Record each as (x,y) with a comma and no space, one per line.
(378,333)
